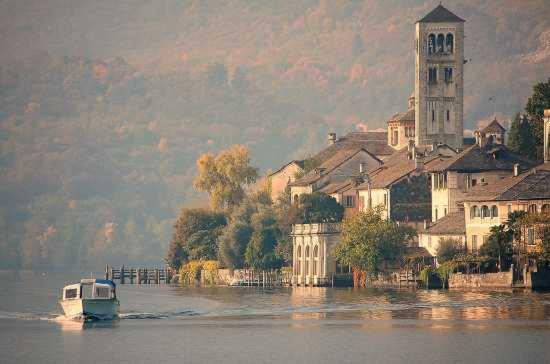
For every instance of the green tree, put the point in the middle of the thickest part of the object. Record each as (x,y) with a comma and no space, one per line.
(521,139)
(260,252)
(194,237)
(318,207)
(448,249)
(224,176)
(499,245)
(288,214)
(367,240)
(235,238)
(536,104)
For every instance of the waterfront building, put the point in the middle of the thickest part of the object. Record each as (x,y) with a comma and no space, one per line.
(312,260)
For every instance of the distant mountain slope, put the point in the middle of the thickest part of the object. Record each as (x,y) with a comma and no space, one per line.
(104,106)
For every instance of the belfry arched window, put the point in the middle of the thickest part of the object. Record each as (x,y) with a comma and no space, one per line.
(485,212)
(532,209)
(449,43)
(440,43)
(431,44)
(494,211)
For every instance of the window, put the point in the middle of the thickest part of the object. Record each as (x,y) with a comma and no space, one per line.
(296,198)
(299,267)
(394,136)
(71,293)
(436,214)
(545,209)
(531,236)
(102,292)
(307,261)
(532,209)
(509,209)
(315,256)
(445,211)
(485,212)
(474,243)
(448,75)
(385,200)
(449,44)
(494,211)
(432,75)
(448,115)
(477,211)
(474,182)
(350,201)
(473,212)
(440,43)
(431,44)
(433,115)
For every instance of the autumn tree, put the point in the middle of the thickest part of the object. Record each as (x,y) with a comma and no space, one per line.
(368,240)
(224,176)
(195,236)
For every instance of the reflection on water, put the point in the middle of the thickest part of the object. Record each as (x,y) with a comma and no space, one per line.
(77,326)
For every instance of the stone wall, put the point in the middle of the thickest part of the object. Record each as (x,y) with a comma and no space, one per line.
(487,280)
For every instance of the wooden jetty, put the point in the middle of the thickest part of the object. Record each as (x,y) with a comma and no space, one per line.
(138,275)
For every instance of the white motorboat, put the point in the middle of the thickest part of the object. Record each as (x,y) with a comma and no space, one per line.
(90,299)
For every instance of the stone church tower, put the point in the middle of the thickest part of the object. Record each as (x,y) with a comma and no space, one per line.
(439,83)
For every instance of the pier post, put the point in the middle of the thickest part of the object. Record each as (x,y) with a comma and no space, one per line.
(122,275)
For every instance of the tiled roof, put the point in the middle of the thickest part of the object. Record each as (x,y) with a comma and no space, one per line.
(452,224)
(334,187)
(531,185)
(335,161)
(493,127)
(492,157)
(394,168)
(440,15)
(403,116)
(374,142)
(300,164)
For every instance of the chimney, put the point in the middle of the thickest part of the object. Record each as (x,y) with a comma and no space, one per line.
(331,138)
(362,167)
(516,170)
(426,224)
(547,136)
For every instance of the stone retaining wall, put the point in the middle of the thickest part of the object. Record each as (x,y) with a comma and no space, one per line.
(487,280)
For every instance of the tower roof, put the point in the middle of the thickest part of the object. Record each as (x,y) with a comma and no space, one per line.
(493,127)
(440,15)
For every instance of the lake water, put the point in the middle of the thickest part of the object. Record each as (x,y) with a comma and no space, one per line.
(291,325)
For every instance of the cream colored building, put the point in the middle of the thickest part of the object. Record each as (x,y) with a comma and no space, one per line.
(451,226)
(488,206)
(312,244)
(483,163)
(283,177)
(343,165)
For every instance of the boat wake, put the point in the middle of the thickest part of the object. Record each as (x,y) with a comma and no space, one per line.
(156,315)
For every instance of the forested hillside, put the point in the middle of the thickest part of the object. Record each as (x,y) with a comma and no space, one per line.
(105,106)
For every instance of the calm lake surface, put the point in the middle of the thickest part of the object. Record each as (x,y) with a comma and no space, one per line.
(292,325)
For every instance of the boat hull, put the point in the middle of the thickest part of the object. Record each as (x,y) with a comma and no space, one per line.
(90,309)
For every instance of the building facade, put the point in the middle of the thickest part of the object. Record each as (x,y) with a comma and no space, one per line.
(312,261)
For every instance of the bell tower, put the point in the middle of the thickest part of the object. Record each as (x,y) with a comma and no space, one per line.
(439,81)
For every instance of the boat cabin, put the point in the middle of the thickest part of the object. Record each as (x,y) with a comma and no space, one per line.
(90,289)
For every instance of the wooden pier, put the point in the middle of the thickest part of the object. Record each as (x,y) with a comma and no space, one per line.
(138,275)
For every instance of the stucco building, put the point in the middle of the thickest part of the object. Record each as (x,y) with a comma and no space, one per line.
(312,261)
